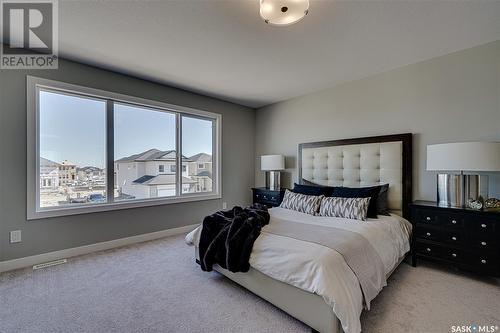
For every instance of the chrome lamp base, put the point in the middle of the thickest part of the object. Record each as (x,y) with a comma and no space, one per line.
(273,180)
(455,190)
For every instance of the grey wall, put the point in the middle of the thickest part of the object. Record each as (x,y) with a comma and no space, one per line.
(446,99)
(39,236)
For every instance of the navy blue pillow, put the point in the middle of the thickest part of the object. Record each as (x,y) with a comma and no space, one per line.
(312,189)
(382,200)
(360,192)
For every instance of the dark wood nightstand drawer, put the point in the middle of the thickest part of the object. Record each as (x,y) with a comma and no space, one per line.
(430,250)
(428,233)
(485,263)
(433,233)
(453,221)
(484,243)
(425,216)
(483,226)
(268,197)
(453,254)
(454,237)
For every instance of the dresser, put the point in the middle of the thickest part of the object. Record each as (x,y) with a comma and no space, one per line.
(461,237)
(265,196)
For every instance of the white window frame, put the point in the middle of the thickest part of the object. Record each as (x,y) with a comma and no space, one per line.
(34,211)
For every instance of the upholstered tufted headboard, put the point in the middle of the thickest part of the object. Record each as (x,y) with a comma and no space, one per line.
(362,162)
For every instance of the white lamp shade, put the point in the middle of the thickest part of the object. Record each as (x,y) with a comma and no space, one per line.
(464,156)
(272,162)
(283,12)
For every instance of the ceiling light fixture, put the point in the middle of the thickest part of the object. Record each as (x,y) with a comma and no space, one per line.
(283,12)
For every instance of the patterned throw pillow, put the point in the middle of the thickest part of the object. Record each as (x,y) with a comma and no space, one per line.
(349,208)
(308,204)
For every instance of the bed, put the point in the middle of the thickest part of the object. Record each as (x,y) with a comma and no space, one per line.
(313,283)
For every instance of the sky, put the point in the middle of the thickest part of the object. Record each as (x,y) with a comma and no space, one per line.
(74,129)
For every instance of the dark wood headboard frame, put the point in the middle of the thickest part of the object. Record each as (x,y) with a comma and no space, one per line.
(406,139)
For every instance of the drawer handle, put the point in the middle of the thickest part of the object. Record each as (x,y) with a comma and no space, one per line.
(428,234)
(483,225)
(454,255)
(454,238)
(483,261)
(428,250)
(454,222)
(428,218)
(483,243)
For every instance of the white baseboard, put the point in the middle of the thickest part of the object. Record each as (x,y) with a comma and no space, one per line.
(77,251)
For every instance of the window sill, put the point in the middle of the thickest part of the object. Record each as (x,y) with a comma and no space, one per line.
(88,209)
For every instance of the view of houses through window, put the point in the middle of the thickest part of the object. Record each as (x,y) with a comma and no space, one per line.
(72,152)
(198,176)
(72,143)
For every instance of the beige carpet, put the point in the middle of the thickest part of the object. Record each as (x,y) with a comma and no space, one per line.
(157,287)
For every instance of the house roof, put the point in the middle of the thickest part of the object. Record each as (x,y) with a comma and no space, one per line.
(67,163)
(48,163)
(152,155)
(143,179)
(49,170)
(205,174)
(161,180)
(89,169)
(201,157)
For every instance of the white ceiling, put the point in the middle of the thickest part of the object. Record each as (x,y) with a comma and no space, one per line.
(224,49)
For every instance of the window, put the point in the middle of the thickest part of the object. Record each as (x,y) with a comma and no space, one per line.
(144,137)
(195,148)
(173,168)
(91,150)
(65,144)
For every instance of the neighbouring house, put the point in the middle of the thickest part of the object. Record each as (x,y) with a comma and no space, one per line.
(200,170)
(151,174)
(67,173)
(49,175)
(90,175)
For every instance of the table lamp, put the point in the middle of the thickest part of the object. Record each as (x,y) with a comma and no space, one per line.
(455,190)
(272,164)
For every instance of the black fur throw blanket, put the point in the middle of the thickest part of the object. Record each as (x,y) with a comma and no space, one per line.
(227,237)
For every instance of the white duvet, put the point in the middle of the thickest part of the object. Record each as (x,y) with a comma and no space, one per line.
(321,270)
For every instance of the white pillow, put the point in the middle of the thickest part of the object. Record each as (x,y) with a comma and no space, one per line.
(308,204)
(350,208)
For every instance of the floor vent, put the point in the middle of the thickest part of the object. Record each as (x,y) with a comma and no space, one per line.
(50,263)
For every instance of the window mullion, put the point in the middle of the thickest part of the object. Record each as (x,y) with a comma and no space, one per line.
(110,151)
(178,159)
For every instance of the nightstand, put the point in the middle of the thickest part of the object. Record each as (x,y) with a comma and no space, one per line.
(465,238)
(265,196)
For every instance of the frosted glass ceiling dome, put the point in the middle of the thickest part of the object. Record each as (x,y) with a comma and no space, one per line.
(283,12)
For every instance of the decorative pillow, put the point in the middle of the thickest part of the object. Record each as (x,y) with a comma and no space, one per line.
(312,189)
(308,204)
(349,208)
(382,200)
(360,192)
